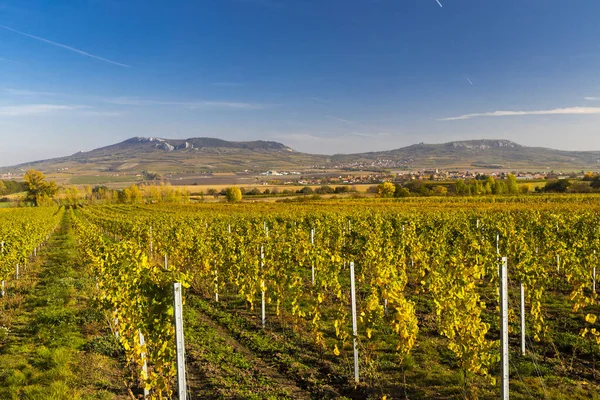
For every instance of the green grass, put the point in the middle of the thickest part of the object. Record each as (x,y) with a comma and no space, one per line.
(48,352)
(228,371)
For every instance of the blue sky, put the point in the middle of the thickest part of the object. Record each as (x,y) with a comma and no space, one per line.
(327,76)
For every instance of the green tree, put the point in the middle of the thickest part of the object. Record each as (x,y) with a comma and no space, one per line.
(402,192)
(511,184)
(39,191)
(233,194)
(499,187)
(386,189)
(491,182)
(558,186)
(306,190)
(418,187)
(325,190)
(487,189)
(461,188)
(2,188)
(477,188)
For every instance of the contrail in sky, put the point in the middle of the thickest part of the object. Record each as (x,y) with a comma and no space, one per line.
(467,78)
(83,53)
(438,1)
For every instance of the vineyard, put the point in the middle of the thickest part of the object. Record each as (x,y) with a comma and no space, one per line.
(268,294)
(22,232)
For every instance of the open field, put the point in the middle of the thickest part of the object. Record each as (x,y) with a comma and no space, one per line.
(101,180)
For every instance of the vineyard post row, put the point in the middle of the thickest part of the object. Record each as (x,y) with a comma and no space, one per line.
(23,233)
(417,260)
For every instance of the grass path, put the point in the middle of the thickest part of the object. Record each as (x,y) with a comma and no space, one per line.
(234,359)
(58,345)
(221,367)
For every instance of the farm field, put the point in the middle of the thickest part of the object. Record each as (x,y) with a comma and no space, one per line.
(268,299)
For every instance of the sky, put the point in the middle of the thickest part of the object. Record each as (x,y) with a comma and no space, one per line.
(321,76)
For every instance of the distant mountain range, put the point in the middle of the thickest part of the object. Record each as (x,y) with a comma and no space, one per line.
(201,155)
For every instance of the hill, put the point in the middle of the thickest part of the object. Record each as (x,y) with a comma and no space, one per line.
(475,154)
(184,159)
(175,156)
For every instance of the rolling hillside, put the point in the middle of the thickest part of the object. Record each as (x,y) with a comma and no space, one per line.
(477,154)
(176,156)
(194,156)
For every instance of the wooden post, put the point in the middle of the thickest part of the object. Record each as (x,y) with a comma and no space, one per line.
(504,388)
(263,306)
(354,323)
(116,323)
(594,274)
(216,283)
(312,242)
(179,341)
(385,301)
(522,319)
(145,363)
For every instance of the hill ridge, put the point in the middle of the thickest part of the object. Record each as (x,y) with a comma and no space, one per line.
(206,154)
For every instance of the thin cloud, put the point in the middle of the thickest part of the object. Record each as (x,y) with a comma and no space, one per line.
(73,49)
(346,121)
(556,111)
(593,98)
(227,104)
(101,113)
(320,100)
(468,80)
(440,4)
(34,109)
(134,101)
(21,92)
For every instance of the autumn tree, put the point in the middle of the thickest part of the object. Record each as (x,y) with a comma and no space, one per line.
(39,191)
(511,184)
(72,197)
(386,189)
(233,194)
